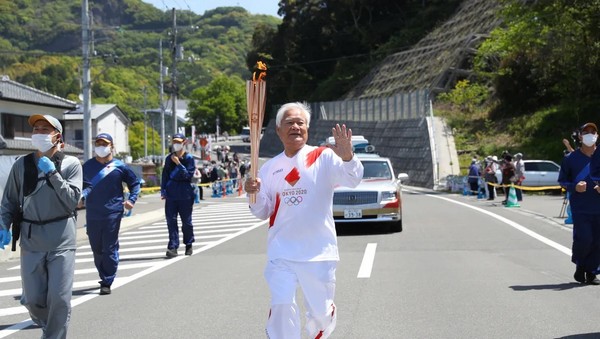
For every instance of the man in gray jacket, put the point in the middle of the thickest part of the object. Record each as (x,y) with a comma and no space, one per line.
(45,187)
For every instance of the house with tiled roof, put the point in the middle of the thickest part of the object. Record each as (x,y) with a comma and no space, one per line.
(17,103)
(106,118)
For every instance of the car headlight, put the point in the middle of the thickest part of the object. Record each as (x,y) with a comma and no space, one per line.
(388,196)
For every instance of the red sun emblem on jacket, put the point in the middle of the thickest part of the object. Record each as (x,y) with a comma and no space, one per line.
(293,177)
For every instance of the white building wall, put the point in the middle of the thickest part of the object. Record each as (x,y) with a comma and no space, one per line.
(28,110)
(114,126)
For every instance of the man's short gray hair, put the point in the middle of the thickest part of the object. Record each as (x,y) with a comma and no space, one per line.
(298,105)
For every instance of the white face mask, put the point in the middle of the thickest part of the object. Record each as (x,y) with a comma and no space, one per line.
(42,142)
(102,151)
(589,139)
(177,147)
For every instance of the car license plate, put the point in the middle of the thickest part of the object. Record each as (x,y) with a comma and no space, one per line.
(352,214)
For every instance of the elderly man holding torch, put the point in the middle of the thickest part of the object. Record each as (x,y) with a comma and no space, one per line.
(295,190)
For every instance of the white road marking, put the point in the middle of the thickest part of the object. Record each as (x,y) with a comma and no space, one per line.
(118,281)
(367,262)
(511,223)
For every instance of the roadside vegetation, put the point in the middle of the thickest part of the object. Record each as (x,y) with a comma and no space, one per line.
(535,80)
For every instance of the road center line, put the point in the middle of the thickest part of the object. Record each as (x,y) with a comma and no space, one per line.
(367,262)
(511,223)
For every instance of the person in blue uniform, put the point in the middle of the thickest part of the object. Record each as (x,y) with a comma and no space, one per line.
(584,198)
(177,191)
(103,178)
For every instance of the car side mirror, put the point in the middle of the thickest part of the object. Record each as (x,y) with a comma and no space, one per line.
(402,176)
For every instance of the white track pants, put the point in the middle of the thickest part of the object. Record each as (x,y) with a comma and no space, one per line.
(317,281)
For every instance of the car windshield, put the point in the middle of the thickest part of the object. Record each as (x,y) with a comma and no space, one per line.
(376,169)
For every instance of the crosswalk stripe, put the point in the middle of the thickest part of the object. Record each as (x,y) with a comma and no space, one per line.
(200,229)
(165,231)
(122,267)
(165,236)
(214,224)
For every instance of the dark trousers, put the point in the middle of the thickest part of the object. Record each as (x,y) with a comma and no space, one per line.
(104,241)
(491,192)
(586,241)
(519,193)
(474,187)
(183,208)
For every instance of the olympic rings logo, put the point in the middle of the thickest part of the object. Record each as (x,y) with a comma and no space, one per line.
(293,201)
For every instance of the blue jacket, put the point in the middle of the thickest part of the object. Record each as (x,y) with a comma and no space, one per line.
(176,183)
(105,200)
(595,166)
(474,173)
(588,201)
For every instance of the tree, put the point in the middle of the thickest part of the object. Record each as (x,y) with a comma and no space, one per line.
(136,140)
(225,98)
(546,54)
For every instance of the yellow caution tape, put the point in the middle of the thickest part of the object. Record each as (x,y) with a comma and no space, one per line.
(208,184)
(527,188)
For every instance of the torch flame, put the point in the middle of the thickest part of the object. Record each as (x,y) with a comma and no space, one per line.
(262,67)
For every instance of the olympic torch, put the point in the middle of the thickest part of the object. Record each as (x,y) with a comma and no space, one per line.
(256,91)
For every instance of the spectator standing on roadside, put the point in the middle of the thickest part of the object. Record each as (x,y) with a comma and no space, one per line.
(103,178)
(243,170)
(490,176)
(520,174)
(577,172)
(177,191)
(44,188)
(474,175)
(233,173)
(508,174)
(295,190)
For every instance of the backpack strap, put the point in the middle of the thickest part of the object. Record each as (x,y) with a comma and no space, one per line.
(30,180)
(30,177)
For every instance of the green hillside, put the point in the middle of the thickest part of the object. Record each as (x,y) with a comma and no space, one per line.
(537,76)
(41,44)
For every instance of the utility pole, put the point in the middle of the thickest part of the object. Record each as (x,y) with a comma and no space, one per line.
(145,126)
(174,76)
(162,104)
(86,86)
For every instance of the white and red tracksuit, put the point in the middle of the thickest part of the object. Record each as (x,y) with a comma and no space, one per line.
(297,195)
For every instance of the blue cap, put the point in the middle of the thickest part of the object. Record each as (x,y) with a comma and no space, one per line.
(179,137)
(104,136)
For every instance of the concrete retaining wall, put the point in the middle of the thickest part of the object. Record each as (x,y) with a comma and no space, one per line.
(405,142)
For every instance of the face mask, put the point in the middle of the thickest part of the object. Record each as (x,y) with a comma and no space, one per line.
(589,139)
(177,147)
(42,142)
(102,151)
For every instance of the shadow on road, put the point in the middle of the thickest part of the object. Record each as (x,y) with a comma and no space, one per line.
(367,228)
(143,259)
(85,291)
(581,336)
(555,287)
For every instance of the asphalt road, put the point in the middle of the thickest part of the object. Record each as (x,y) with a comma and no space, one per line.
(462,268)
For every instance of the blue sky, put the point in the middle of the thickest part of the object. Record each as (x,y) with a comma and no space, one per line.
(199,6)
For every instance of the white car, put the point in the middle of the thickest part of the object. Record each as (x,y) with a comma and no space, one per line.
(359,144)
(378,197)
(538,173)
(245,134)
